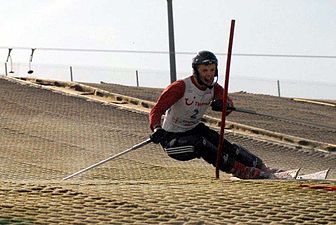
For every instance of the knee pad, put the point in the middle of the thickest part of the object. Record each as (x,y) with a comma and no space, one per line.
(227,163)
(208,151)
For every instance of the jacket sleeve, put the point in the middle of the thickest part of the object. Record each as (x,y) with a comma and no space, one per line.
(168,97)
(219,91)
(218,95)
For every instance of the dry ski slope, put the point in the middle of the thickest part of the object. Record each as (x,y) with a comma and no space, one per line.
(45,136)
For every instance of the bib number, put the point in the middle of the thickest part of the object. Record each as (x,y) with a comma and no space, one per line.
(193,116)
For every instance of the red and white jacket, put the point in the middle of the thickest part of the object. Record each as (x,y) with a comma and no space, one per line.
(183,104)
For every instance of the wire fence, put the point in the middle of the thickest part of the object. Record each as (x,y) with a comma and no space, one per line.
(160,79)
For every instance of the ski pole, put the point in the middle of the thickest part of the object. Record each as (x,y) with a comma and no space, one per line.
(279,117)
(242,110)
(110,158)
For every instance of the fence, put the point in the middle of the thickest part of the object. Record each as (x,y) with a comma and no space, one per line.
(157,78)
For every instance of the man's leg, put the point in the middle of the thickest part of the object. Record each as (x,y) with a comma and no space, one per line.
(202,142)
(229,164)
(249,159)
(245,157)
(186,146)
(239,153)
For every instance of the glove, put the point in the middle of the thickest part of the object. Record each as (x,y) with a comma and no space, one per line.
(158,136)
(229,106)
(217,105)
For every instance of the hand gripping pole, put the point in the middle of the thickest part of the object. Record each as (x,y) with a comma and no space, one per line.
(109,158)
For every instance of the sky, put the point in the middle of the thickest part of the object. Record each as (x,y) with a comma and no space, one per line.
(286,27)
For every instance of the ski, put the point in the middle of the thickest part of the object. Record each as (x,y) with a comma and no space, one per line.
(294,175)
(320,175)
(287,175)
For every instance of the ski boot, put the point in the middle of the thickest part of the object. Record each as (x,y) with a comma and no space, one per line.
(244,172)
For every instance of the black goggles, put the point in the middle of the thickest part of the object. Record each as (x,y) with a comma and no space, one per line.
(208,62)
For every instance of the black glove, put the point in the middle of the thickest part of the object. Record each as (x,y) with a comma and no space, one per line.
(158,136)
(229,107)
(217,105)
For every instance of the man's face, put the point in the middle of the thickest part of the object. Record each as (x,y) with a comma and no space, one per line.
(207,73)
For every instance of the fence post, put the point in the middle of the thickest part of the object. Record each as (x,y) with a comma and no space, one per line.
(137,78)
(6,69)
(71,77)
(278,82)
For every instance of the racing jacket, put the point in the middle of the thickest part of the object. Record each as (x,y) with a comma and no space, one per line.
(183,105)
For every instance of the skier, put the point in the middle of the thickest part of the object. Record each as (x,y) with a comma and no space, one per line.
(182,134)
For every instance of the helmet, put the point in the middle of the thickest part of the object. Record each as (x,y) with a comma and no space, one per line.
(204,58)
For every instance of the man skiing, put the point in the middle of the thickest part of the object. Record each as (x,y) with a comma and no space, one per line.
(182,134)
